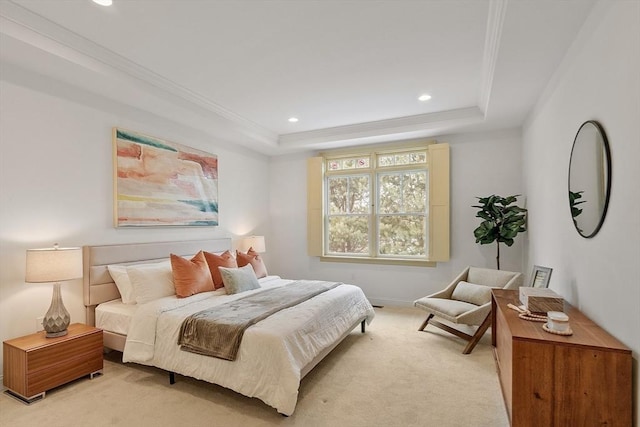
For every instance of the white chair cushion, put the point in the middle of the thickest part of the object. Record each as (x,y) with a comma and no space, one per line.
(489,277)
(471,293)
(447,308)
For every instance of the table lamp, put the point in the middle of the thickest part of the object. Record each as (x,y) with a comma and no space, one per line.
(54,265)
(255,242)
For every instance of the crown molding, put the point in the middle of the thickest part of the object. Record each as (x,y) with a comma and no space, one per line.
(387,127)
(20,23)
(31,28)
(495,22)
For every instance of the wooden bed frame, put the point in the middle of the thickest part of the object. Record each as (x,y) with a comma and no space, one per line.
(99,287)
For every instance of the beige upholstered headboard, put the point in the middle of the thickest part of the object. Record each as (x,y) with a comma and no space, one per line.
(98,284)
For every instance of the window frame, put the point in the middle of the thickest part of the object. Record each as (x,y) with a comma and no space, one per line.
(437,212)
(327,214)
(377,215)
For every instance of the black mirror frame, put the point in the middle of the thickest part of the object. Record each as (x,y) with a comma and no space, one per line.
(607,151)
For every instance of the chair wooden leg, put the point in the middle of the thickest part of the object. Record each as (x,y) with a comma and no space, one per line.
(424,324)
(451,330)
(473,340)
(479,333)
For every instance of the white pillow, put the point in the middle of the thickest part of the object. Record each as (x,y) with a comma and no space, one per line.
(121,277)
(472,293)
(151,281)
(238,280)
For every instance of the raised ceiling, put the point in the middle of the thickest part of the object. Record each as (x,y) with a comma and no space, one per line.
(350,71)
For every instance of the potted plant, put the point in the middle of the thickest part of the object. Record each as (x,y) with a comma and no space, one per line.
(502,221)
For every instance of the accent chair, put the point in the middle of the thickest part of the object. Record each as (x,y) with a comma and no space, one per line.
(467,300)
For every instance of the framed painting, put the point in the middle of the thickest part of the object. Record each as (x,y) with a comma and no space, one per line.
(158,183)
(540,277)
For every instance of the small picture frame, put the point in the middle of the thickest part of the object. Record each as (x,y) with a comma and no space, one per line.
(540,277)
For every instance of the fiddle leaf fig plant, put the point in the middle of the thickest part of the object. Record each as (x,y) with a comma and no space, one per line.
(502,221)
(573,204)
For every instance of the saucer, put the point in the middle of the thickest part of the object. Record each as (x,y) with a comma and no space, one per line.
(553,331)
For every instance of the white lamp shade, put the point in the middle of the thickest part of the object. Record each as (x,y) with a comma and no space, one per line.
(53,264)
(255,242)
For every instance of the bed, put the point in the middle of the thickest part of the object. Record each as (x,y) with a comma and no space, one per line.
(275,353)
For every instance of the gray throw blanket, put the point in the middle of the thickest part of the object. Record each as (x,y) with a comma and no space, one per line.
(217,331)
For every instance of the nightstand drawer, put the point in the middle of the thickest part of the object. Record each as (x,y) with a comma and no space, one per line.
(46,357)
(67,370)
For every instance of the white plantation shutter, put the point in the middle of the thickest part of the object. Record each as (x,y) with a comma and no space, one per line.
(439,202)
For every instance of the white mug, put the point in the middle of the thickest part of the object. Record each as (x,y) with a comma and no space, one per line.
(557,321)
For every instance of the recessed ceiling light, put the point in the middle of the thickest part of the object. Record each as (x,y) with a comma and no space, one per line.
(424,97)
(293,119)
(103,2)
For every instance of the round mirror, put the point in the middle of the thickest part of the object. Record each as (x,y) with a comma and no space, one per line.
(589,178)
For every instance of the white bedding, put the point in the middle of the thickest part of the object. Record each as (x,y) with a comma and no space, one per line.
(115,316)
(272,353)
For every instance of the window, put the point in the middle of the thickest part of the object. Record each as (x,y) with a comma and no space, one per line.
(375,205)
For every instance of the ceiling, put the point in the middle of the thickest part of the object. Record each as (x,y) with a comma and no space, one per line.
(351,71)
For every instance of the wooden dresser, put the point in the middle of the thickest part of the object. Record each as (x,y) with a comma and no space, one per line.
(34,364)
(556,381)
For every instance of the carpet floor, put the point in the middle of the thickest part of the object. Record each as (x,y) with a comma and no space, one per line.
(392,375)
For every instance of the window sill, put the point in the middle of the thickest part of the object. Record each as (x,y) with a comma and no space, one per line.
(379,261)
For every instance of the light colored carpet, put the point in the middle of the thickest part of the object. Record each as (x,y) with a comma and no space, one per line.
(392,375)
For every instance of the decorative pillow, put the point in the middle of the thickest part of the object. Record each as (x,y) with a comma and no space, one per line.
(471,293)
(119,274)
(192,276)
(121,277)
(238,280)
(151,281)
(252,257)
(214,261)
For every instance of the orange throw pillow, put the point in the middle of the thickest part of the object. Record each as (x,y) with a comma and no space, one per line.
(214,261)
(192,276)
(252,257)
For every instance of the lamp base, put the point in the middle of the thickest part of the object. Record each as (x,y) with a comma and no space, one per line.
(57,334)
(57,319)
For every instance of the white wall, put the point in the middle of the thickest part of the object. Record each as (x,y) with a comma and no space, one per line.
(481,164)
(600,80)
(56,185)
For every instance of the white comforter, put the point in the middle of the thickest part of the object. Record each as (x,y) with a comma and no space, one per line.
(272,353)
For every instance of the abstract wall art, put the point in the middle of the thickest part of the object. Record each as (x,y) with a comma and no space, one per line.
(161,183)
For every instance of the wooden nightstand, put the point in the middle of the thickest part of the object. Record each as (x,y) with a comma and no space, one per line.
(34,364)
